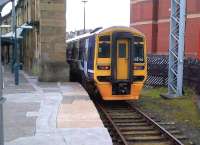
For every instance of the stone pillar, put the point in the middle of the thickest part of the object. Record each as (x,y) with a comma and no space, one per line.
(53,65)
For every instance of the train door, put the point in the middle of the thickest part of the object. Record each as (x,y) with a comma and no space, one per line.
(122,59)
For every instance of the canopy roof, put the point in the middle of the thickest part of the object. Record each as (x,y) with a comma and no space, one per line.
(19,32)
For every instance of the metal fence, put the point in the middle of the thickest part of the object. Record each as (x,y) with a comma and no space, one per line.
(192,74)
(158,72)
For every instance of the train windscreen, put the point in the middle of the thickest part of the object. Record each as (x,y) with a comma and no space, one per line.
(104,50)
(138,50)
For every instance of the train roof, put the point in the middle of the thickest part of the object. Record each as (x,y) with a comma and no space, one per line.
(100,30)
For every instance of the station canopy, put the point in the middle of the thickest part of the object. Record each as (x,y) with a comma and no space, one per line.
(11,35)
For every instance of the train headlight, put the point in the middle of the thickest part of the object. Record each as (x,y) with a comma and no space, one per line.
(138,67)
(101,67)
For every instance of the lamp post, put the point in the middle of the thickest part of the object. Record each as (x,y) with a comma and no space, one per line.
(84,2)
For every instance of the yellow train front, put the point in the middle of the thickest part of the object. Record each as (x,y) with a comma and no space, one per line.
(119,62)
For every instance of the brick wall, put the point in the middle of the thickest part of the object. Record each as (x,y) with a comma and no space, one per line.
(156,27)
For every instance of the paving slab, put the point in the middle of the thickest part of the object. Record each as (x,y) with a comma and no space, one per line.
(15,117)
(76,109)
(78,114)
(9,83)
(51,113)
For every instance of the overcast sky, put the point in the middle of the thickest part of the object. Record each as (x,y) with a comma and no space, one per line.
(99,13)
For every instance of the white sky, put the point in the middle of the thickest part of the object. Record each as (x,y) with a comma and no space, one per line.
(7,8)
(99,13)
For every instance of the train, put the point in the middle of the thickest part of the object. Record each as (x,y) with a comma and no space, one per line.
(111,61)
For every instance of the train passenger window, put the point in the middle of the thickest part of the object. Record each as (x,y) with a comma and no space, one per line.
(104,50)
(122,50)
(138,52)
(82,43)
(104,38)
(86,48)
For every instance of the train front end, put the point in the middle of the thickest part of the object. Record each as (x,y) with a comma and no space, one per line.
(120,67)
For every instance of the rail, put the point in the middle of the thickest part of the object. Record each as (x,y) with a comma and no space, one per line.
(133,126)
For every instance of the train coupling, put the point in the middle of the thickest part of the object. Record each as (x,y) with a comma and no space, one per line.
(121,88)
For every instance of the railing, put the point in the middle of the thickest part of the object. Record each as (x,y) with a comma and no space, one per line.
(158,72)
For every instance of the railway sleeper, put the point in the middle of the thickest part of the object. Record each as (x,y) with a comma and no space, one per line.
(125,117)
(137,128)
(145,138)
(122,114)
(151,143)
(148,132)
(131,124)
(129,120)
(121,111)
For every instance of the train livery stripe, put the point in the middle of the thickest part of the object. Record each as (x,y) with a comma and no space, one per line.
(90,71)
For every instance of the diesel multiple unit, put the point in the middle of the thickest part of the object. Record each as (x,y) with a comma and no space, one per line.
(111,61)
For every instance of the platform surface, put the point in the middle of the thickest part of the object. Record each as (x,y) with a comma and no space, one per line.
(51,113)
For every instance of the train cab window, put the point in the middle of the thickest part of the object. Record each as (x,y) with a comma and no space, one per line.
(122,50)
(104,38)
(104,50)
(138,52)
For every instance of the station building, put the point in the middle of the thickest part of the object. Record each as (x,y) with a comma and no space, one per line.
(42,48)
(152,17)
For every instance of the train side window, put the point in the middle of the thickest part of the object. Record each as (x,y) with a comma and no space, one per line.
(82,43)
(138,52)
(76,50)
(86,48)
(104,50)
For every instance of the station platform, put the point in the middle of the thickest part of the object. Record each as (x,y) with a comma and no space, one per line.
(38,113)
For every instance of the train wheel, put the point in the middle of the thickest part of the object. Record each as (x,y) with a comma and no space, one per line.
(84,81)
(91,89)
(72,76)
(89,86)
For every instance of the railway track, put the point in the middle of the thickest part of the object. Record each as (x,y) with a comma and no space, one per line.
(128,125)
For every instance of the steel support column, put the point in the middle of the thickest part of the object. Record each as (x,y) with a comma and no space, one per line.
(1,93)
(176,48)
(13,27)
(15,63)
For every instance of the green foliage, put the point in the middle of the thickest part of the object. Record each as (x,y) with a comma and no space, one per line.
(183,109)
